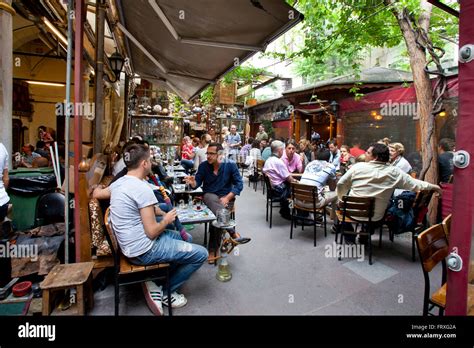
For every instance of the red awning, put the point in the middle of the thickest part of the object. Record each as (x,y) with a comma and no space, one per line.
(281,124)
(396,95)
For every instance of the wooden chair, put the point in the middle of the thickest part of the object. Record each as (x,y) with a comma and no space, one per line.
(126,273)
(358,210)
(273,201)
(446,223)
(301,195)
(433,248)
(420,209)
(259,175)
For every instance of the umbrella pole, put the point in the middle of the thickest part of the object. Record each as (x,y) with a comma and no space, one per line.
(67,126)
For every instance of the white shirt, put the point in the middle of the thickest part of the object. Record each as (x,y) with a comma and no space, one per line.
(4,199)
(128,195)
(402,163)
(379,180)
(200,156)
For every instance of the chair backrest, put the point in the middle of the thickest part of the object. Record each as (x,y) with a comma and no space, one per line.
(111,233)
(268,185)
(357,208)
(304,193)
(433,247)
(420,205)
(446,223)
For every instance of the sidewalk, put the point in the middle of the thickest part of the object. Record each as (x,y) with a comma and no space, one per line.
(273,275)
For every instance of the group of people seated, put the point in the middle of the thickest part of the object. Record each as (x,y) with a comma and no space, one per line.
(39,156)
(381,172)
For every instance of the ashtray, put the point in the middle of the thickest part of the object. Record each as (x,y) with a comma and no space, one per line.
(198,208)
(22,289)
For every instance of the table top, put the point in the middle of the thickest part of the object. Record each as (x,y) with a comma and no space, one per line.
(176,174)
(193,216)
(178,168)
(181,188)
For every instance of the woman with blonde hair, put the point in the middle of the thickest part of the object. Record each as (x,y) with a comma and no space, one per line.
(396,157)
(347,160)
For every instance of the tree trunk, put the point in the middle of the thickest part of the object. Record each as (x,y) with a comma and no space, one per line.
(424,94)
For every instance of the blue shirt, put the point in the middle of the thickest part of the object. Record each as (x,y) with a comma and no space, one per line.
(227,180)
(266,153)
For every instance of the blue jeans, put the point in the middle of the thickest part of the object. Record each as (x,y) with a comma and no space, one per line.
(187,164)
(185,257)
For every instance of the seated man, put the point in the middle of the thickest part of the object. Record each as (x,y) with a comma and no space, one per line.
(291,159)
(279,176)
(320,173)
(141,238)
(221,183)
(376,178)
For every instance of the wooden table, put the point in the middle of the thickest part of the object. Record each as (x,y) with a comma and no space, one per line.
(74,275)
(181,188)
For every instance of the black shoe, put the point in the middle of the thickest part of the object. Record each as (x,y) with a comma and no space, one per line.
(286,216)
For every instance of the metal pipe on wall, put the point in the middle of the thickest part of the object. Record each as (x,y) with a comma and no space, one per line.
(67,126)
(99,74)
(78,95)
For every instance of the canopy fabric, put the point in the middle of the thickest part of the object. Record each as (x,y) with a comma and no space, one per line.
(246,24)
(397,94)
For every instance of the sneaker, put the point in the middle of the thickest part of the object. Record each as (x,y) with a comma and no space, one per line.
(153,295)
(177,300)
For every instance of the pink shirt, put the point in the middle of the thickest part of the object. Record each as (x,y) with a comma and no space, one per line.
(276,170)
(293,165)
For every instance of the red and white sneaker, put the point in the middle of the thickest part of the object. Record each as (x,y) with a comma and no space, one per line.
(153,295)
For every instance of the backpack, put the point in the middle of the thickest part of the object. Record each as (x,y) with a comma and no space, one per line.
(400,215)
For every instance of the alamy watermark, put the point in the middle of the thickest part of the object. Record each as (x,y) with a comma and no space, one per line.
(9,250)
(86,110)
(391,108)
(346,251)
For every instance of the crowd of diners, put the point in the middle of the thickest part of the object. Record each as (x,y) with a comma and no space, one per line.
(141,200)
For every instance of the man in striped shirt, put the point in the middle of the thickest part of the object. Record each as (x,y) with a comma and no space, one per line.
(320,173)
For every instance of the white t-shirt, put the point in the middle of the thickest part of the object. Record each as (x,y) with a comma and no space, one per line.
(403,164)
(3,165)
(128,195)
(200,156)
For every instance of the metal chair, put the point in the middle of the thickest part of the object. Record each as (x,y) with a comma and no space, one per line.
(259,174)
(271,199)
(301,194)
(433,248)
(126,273)
(358,210)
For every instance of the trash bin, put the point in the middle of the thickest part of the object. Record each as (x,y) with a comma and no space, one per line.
(26,186)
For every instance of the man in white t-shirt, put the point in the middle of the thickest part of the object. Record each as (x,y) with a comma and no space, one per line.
(141,238)
(4,180)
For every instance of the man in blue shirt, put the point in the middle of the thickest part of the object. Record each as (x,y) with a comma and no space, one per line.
(221,183)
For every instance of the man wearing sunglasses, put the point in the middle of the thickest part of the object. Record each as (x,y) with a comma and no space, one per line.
(221,183)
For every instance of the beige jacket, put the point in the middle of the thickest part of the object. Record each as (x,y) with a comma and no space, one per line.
(379,180)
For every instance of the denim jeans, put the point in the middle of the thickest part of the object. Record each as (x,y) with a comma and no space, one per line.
(282,191)
(187,164)
(185,257)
